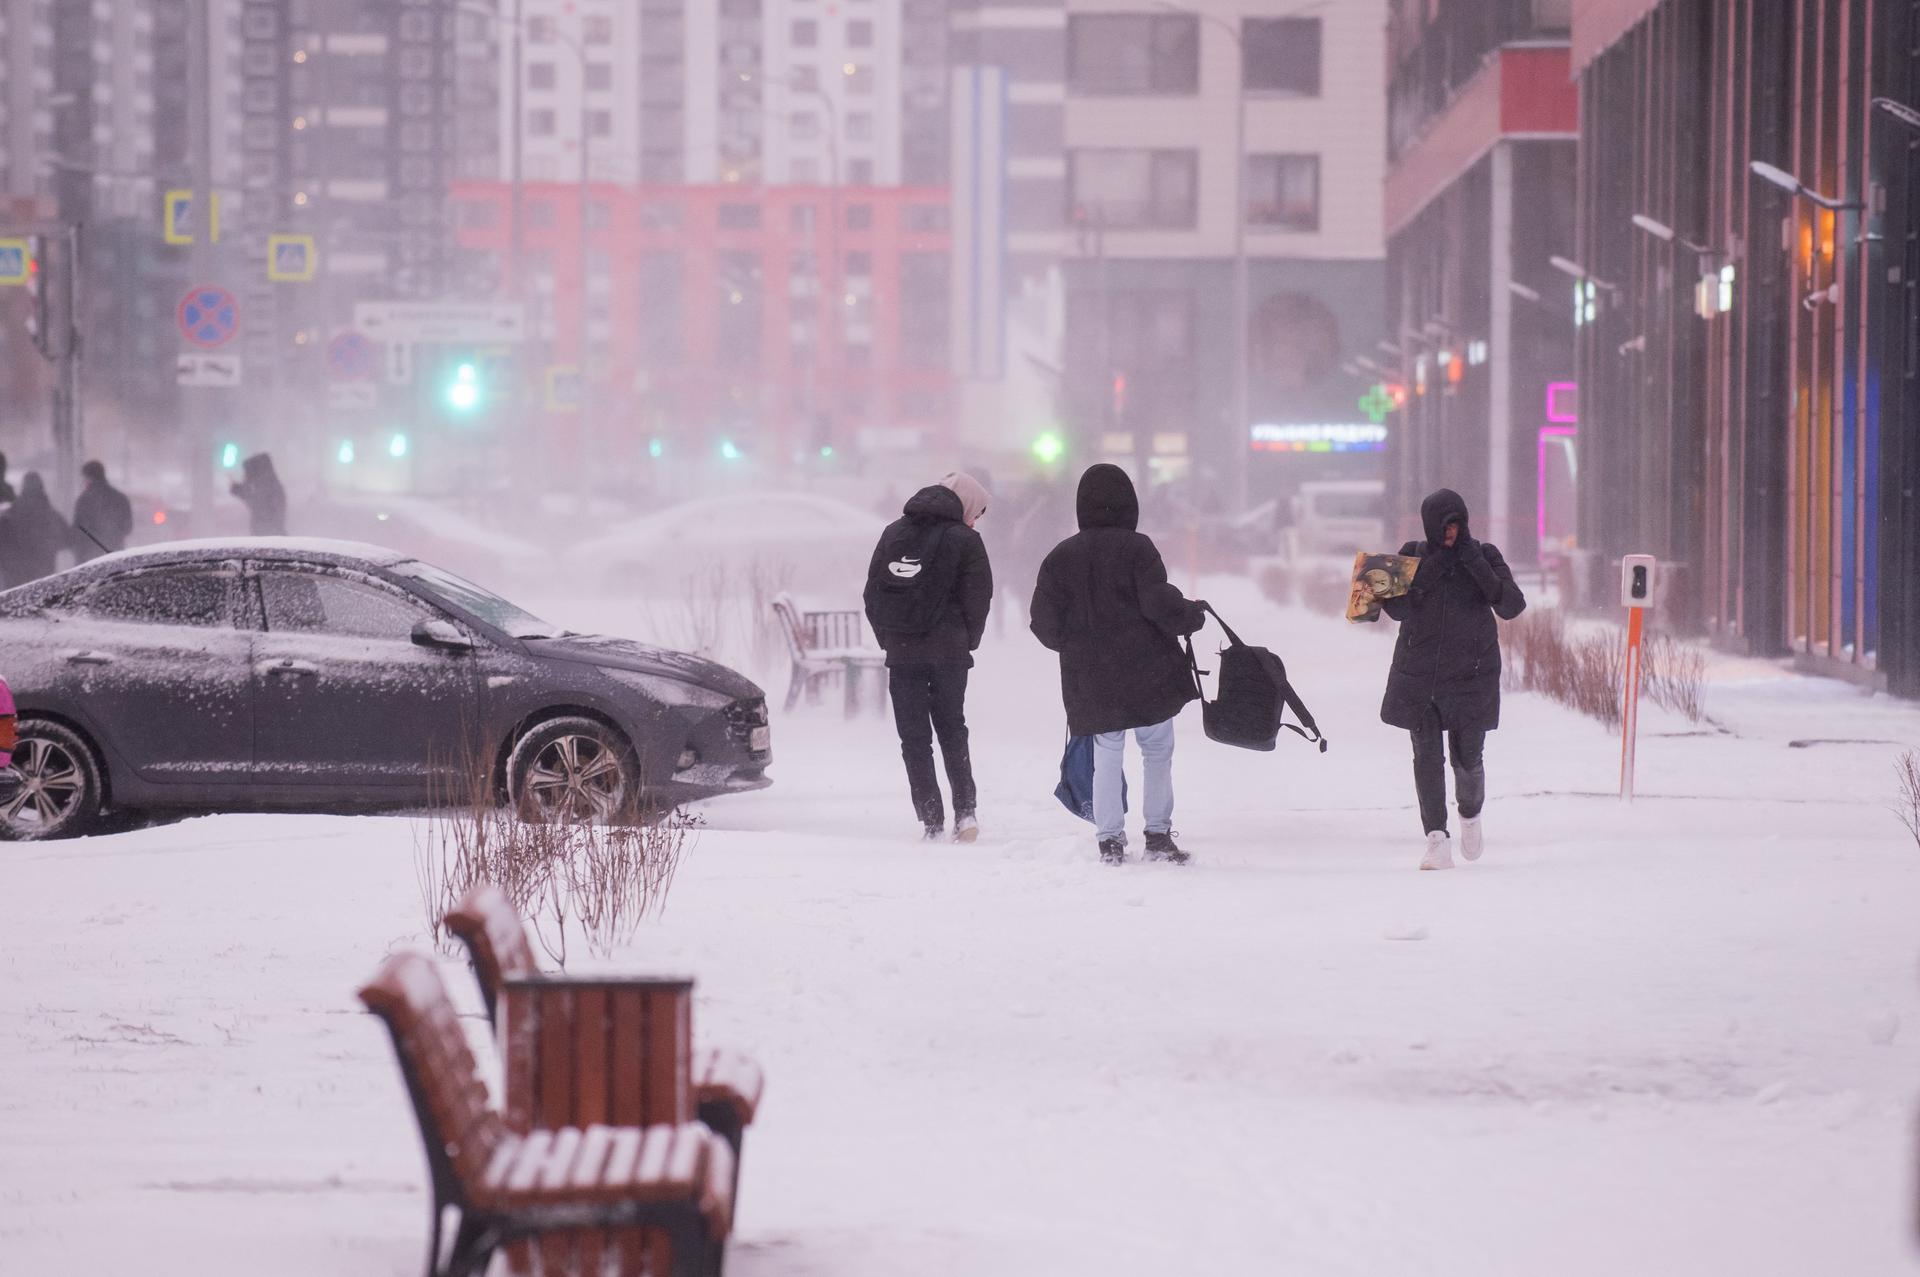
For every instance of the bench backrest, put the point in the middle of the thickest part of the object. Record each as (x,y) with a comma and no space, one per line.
(459,1127)
(487,923)
(790,627)
(842,629)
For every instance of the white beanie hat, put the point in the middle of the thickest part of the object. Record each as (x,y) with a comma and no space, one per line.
(973,496)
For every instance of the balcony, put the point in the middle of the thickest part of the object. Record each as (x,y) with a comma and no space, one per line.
(1433,60)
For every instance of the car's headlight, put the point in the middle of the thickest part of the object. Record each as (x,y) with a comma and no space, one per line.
(670,691)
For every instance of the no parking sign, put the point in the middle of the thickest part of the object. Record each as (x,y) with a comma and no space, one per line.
(209,316)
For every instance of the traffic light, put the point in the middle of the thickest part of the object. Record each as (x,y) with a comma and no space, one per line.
(463,391)
(397,446)
(729,451)
(229,456)
(656,448)
(1049,447)
(345,454)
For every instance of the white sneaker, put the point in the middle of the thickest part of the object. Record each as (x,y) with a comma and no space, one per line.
(965,828)
(1439,854)
(1472,841)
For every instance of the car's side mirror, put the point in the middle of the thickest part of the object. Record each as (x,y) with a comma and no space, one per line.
(444,635)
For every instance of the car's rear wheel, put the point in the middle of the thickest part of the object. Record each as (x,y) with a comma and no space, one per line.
(573,769)
(60,791)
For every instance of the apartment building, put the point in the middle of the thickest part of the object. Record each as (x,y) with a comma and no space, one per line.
(1158,202)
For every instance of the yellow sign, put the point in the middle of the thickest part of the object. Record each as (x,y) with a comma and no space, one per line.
(291,259)
(16,261)
(565,388)
(177,217)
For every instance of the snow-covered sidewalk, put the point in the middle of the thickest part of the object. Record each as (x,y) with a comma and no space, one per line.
(1680,1037)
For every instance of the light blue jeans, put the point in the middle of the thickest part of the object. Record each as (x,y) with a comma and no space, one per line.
(1156,756)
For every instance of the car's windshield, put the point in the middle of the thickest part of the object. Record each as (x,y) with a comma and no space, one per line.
(445,587)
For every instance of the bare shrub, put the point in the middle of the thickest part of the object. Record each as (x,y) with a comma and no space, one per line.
(1907,768)
(1276,582)
(600,880)
(1587,672)
(767,581)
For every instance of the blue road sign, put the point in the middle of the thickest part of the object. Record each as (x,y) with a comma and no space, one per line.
(209,316)
(353,357)
(16,261)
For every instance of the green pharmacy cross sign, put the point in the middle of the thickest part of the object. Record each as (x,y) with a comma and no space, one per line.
(1376,403)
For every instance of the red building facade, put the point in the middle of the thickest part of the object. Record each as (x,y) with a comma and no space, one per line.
(778,324)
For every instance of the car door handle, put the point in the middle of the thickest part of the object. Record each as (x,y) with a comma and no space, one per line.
(88,657)
(298,669)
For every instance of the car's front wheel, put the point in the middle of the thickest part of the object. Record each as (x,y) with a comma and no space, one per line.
(573,769)
(59,792)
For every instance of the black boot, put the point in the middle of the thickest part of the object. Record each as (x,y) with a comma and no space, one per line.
(1113,851)
(1162,847)
(936,830)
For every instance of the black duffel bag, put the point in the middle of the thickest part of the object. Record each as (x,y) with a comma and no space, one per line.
(1254,695)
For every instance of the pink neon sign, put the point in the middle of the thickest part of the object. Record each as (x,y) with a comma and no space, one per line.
(1563,402)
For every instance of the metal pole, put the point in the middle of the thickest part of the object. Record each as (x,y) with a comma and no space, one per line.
(198,405)
(583,417)
(1238,451)
(68,419)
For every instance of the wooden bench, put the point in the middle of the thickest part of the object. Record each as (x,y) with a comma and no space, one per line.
(506,1187)
(828,643)
(551,1017)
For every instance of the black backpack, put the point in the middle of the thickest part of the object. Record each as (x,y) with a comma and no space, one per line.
(1253,698)
(912,580)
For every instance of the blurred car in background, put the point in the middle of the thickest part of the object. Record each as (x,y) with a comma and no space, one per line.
(1336,519)
(423,529)
(784,540)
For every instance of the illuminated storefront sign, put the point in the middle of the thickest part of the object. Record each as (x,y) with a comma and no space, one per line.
(1322,436)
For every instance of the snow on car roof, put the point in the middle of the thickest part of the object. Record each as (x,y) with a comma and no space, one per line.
(256,548)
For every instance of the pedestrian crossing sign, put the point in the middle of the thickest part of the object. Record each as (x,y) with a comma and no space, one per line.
(16,261)
(177,220)
(291,259)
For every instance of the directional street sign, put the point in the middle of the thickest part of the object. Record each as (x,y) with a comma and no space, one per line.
(194,369)
(209,316)
(291,259)
(352,357)
(16,261)
(353,396)
(441,321)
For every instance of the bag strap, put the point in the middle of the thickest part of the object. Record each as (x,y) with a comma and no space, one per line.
(1222,623)
(1304,715)
(1193,669)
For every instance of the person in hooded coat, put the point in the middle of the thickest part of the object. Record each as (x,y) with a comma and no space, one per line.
(1444,686)
(927,670)
(102,516)
(32,534)
(1103,602)
(266,500)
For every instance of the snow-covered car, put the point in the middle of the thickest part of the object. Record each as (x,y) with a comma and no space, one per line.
(10,783)
(320,675)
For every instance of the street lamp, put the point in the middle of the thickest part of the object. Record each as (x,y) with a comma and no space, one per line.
(1567,266)
(1524,293)
(1794,186)
(1900,111)
(1667,235)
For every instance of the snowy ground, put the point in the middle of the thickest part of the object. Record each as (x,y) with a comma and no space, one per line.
(1677,1038)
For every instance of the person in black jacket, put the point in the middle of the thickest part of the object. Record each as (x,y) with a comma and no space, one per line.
(1446,668)
(1103,602)
(927,670)
(102,516)
(265,499)
(32,534)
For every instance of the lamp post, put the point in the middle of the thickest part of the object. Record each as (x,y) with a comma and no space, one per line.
(838,330)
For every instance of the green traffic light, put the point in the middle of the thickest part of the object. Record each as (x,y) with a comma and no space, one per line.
(397,446)
(656,449)
(1049,448)
(463,392)
(727,450)
(345,455)
(230,456)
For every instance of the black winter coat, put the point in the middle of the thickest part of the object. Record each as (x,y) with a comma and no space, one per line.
(963,559)
(32,534)
(1448,653)
(102,517)
(1104,603)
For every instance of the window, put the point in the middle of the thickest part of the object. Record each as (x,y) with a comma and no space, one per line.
(162,598)
(860,172)
(540,122)
(859,77)
(1283,192)
(599,76)
(860,33)
(313,603)
(806,33)
(859,217)
(540,213)
(923,218)
(659,215)
(540,30)
(805,126)
(805,79)
(479,214)
(1129,189)
(740,217)
(860,126)
(600,123)
(540,75)
(1281,56)
(598,28)
(803,217)
(859,264)
(1127,53)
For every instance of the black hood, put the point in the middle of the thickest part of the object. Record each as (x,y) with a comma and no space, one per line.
(642,658)
(1106,499)
(936,502)
(1440,509)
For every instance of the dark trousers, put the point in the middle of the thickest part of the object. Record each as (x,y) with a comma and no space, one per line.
(931,700)
(1429,775)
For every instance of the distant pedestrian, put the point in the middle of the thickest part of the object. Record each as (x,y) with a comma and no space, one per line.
(1445,680)
(929,589)
(266,500)
(1103,602)
(32,534)
(7,495)
(102,516)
